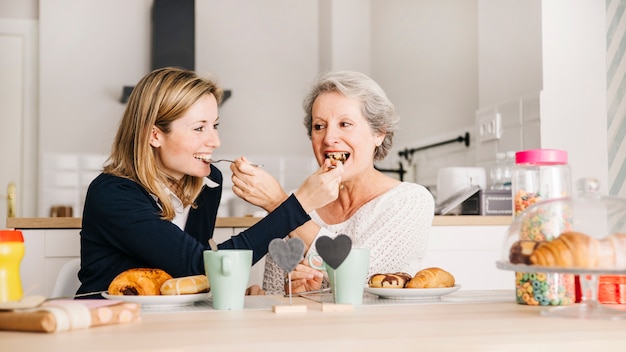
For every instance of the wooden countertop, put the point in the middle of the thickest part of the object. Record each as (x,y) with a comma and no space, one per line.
(487,326)
(75,223)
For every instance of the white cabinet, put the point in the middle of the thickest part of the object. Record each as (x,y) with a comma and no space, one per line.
(470,254)
(46,252)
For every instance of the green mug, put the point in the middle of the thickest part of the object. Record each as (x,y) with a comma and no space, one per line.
(228,271)
(349,279)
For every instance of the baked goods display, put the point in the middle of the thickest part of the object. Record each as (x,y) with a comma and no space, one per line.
(426,278)
(431,278)
(154,282)
(395,280)
(573,250)
(185,285)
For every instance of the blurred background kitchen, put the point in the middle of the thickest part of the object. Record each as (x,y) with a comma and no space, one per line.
(508,74)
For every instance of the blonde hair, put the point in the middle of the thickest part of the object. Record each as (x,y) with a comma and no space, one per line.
(158,99)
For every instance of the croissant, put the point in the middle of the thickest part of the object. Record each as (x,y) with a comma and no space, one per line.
(185,285)
(431,278)
(138,282)
(570,249)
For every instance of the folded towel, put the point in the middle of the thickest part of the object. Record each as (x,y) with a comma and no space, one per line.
(63,315)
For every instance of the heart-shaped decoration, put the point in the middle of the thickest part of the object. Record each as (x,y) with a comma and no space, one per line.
(334,251)
(287,254)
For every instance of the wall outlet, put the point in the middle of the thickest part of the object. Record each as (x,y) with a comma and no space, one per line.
(489,127)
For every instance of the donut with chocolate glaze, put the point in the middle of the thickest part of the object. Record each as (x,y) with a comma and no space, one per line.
(395,280)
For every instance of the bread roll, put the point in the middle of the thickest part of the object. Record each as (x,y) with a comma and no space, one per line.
(139,282)
(431,278)
(395,280)
(185,285)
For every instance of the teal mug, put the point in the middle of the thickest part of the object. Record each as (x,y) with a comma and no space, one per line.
(349,279)
(228,271)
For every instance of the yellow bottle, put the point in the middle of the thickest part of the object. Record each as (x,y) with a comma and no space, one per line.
(11,254)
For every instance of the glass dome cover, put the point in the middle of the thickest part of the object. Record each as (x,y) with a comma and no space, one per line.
(584,234)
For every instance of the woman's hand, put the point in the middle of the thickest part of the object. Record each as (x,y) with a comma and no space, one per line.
(255,290)
(304,278)
(256,186)
(322,187)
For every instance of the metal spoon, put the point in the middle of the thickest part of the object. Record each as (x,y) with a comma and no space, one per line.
(211,161)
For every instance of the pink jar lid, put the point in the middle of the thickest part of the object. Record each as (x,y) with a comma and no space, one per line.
(541,157)
(11,236)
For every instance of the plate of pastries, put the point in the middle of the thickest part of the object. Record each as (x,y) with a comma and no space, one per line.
(425,284)
(155,287)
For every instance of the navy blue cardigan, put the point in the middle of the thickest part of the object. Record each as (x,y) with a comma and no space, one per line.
(122,229)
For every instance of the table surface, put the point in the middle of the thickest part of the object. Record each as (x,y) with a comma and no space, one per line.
(464,320)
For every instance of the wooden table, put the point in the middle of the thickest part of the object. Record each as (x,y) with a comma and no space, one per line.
(493,325)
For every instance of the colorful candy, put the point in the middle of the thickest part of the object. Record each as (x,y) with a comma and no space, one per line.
(543,224)
(544,289)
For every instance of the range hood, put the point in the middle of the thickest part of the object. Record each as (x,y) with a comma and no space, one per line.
(173,38)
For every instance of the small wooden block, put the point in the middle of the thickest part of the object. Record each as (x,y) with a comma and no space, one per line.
(333,307)
(289,309)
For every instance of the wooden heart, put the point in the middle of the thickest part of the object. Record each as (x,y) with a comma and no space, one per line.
(333,251)
(287,254)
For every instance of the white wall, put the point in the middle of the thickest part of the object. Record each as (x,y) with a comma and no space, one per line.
(545,73)
(574,97)
(424,54)
(510,78)
(267,59)
(437,60)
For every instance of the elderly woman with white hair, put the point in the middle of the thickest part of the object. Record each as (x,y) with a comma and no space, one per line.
(349,117)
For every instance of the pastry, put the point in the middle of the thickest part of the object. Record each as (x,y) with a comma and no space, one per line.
(185,285)
(138,282)
(521,251)
(395,280)
(431,278)
(341,156)
(570,249)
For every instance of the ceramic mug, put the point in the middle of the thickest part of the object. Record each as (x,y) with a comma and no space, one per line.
(348,280)
(228,271)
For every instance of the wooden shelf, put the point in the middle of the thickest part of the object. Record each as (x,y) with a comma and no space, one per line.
(76,223)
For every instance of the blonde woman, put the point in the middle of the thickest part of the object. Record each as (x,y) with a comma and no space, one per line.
(155,203)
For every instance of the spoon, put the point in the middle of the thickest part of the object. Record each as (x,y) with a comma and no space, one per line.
(211,161)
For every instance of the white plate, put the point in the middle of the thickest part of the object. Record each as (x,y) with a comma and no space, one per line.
(411,293)
(160,301)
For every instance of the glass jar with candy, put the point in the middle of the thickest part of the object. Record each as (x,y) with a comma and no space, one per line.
(541,174)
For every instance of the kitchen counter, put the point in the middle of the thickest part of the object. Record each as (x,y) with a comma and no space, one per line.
(75,223)
(487,324)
